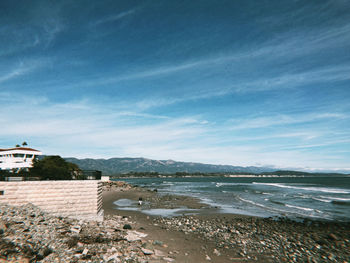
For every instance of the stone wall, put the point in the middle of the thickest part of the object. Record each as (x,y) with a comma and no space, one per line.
(77,199)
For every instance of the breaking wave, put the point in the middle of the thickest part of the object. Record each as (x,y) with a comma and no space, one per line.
(314,189)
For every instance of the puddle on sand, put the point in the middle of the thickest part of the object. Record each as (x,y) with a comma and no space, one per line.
(125,202)
(130,205)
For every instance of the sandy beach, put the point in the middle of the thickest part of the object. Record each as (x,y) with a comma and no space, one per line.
(209,236)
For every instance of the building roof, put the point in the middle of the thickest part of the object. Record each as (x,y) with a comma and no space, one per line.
(19,148)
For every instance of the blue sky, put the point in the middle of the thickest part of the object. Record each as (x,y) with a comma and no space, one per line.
(264,83)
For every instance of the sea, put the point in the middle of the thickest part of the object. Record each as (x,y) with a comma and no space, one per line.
(319,198)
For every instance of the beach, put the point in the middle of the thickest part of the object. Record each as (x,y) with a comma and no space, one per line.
(165,228)
(209,236)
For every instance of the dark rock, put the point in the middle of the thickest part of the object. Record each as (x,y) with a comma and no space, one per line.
(332,237)
(43,253)
(147,251)
(72,242)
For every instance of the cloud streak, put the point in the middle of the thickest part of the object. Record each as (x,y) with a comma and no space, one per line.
(114,18)
(209,85)
(22,68)
(89,128)
(283,120)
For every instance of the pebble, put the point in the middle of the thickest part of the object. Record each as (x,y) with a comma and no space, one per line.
(127,226)
(332,236)
(159,253)
(27,234)
(2,227)
(133,236)
(169,259)
(287,240)
(216,252)
(147,251)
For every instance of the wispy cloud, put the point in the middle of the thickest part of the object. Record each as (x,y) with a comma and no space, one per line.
(13,74)
(113,88)
(319,145)
(287,81)
(51,29)
(20,39)
(97,129)
(283,120)
(22,68)
(287,45)
(270,81)
(83,123)
(114,17)
(327,75)
(292,80)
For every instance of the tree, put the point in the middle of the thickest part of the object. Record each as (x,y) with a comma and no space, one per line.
(17,145)
(24,143)
(54,168)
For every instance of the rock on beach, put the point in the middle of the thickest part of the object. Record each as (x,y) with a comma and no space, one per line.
(28,234)
(267,239)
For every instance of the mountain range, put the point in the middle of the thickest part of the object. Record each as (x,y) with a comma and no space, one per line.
(125,165)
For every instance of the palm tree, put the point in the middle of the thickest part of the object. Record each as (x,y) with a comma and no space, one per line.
(24,143)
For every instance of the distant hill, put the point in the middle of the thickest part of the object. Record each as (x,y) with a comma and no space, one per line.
(125,165)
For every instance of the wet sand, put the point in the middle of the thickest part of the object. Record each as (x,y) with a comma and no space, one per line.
(209,236)
(183,247)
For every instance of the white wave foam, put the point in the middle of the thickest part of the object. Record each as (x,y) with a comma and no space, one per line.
(314,189)
(289,212)
(336,198)
(299,207)
(229,184)
(252,202)
(167,183)
(322,200)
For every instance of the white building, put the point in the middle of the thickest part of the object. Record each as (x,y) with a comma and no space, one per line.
(17,158)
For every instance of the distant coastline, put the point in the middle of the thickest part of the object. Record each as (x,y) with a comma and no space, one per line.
(147,167)
(188,175)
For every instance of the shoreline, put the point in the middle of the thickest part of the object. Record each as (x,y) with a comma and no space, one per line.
(233,238)
(28,234)
(228,176)
(181,247)
(224,204)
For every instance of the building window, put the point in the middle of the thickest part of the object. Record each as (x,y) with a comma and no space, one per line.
(18,155)
(2,192)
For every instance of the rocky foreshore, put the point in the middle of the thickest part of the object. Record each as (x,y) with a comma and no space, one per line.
(27,234)
(116,186)
(267,239)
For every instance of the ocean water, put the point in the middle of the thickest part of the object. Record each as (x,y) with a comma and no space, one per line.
(325,198)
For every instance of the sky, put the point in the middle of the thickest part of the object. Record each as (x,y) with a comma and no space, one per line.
(248,83)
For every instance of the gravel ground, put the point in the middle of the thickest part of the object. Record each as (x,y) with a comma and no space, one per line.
(27,234)
(267,239)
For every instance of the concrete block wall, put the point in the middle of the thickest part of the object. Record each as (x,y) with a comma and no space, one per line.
(80,199)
